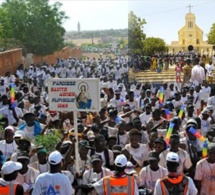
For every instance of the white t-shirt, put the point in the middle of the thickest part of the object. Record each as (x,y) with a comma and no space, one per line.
(111,157)
(205,172)
(138,154)
(191,190)
(88,177)
(28,179)
(144,118)
(52,183)
(7,149)
(149,177)
(184,159)
(29,131)
(42,168)
(7,113)
(122,140)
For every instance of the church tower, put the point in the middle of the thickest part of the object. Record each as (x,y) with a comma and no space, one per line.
(190,37)
(190,32)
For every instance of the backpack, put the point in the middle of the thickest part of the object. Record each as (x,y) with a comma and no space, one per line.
(176,189)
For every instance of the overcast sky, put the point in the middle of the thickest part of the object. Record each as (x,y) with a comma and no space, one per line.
(164,17)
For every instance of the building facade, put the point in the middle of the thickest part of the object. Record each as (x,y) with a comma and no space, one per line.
(190,38)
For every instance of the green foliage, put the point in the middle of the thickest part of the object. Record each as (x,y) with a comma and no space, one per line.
(153,45)
(49,141)
(34,23)
(136,36)
(70,44)
(97,33)
(211,35)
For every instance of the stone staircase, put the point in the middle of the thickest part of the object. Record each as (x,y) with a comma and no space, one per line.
(153,76)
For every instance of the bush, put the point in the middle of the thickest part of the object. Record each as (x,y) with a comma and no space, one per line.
(48,140)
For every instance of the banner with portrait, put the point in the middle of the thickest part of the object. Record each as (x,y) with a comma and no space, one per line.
(74,94)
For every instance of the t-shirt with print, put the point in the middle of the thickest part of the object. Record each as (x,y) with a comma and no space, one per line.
(138,154)
(88,177)
(149,177)
(52,183)
(28,179)
(184,159)
(205,172)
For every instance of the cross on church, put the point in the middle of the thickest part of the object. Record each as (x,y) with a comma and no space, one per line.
(189,8)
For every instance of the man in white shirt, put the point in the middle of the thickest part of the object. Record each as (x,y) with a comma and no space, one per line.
(27,175)
(8,146)
(197,73)
(151,173)
(96,173)
(209,68)
(184,162)
(175,182)
(53,182)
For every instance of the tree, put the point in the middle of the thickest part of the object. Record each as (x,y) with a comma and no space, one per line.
(211,35)
(153,45)
(136,36)
(35,23)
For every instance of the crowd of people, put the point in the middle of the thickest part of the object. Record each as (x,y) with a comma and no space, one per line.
(124,148)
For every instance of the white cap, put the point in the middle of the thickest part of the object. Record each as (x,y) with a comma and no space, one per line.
(10,166)
(90,135)
(19,133)
(9,128)
(104,85)
(172,157)
(130,168)
(121,160)
(55,158)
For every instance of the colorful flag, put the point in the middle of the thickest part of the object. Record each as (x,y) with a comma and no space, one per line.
(161,96)
(12,94)
(167,114)
(169,132)
(205,149)
(181,112)
(197,134)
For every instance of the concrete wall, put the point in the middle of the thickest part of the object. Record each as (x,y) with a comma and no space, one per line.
(64,53)
(10,60)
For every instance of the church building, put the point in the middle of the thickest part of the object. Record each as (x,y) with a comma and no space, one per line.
(190,38)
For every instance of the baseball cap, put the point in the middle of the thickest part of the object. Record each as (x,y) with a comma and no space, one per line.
(172,157)
(18,134)
(90,135)
(41,150)
(10,166)
(121,160)
(206,111)
(95,157)
(153,155)
(9,128)
(130,168)
(117,149)
(55,158)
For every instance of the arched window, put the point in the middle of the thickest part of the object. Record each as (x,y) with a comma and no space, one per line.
(190,24)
